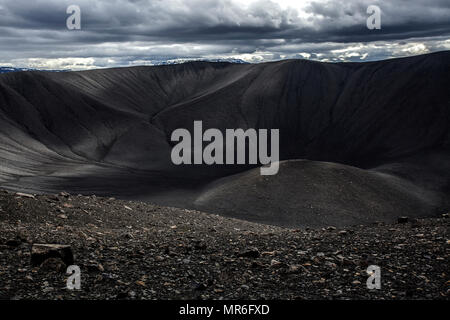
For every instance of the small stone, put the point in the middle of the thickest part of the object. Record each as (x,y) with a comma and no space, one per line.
(95,267)
(275,263)
(295,268)
(122,295)
(53,198)
(252,253)
(201,287)
(14,242)
(402,220)
(419,235)
(201,246)
(47,289)
(25,195)
(110,276)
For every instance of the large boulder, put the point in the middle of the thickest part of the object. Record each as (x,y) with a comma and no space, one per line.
(43,252)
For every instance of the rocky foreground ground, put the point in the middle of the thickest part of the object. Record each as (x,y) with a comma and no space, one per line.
(133,250)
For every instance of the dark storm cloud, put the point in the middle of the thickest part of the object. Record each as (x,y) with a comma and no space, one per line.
(123,32)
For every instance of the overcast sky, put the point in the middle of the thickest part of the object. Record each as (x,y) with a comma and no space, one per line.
(137,32)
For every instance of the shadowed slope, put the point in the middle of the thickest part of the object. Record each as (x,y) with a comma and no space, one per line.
(308,193)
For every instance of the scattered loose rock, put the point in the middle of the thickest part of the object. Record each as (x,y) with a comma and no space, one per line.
(136,255)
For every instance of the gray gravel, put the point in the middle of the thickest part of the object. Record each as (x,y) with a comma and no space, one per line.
(133,250)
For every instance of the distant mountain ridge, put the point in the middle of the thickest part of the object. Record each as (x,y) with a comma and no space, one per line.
(107,132)
(185,60)
(153,63)
(12,69)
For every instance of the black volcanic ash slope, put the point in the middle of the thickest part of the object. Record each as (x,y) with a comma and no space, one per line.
(385,124)
(338,194)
